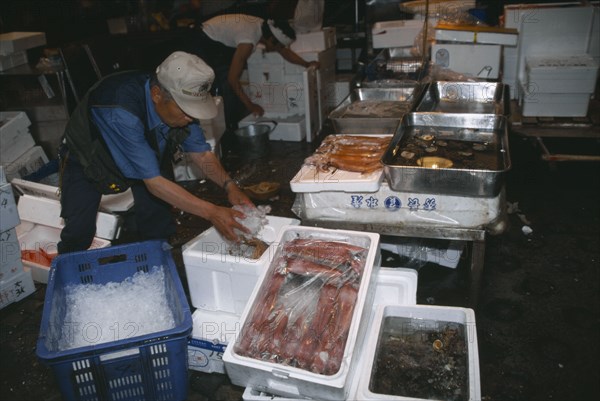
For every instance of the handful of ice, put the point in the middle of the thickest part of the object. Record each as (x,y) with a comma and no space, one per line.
(255,219)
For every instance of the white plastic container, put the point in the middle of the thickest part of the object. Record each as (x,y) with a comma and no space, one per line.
(553,104)
(41,225)
(15,138)
(219,281)
(310,179)
(477,34)
(290,381)
(314,41)
(482,61)
(399,33)
(12,42)
(9,214)
(463,316)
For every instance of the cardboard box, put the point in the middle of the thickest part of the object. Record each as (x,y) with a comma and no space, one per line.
(16,288)
(12,42)
(9,214)
(15,138)
(222,282)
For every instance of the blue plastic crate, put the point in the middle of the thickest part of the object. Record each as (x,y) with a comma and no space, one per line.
(149,367)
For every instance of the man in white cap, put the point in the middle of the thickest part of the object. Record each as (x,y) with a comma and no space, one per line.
(125,133)
(227,41)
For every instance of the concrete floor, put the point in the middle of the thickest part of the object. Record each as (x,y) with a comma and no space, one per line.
(538,313)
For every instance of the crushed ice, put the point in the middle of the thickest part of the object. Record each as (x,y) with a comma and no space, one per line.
(101,313)
(255,219)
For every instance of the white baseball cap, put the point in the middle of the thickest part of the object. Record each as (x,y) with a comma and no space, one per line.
(188,79)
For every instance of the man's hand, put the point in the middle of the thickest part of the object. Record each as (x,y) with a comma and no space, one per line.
(256,109)
(223,219)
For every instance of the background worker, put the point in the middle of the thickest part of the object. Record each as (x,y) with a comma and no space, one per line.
(125,133)
(227,41)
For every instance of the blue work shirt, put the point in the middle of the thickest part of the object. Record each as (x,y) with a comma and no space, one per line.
(123,133)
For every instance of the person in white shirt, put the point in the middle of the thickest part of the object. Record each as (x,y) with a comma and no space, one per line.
(227,41)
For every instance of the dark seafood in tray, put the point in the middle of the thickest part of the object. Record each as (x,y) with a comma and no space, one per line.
(361,154)
(449,148)
(303,314)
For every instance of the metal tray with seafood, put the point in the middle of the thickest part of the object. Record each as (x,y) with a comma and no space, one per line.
(451,154)
(374,111)
(465,97)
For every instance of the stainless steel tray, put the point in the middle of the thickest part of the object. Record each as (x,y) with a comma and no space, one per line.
(485,137)
(374,111)
(465,97)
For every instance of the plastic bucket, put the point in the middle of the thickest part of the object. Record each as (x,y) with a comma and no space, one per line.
(253,140)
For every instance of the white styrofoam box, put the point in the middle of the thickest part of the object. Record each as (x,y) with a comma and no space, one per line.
(395,33)
(553,104)
(9,214)
(561,74)
(546,29)
(290,381)
(341,89)
(13,60)
(312,112)
(215,127)
(2,176)
(477,34)
(279,98)
(392,207)
(510,57)
(109,203)
(211,333)
(482,61)
(310,179)
(462,316)
(314,41)
(394,286)
(187,170)
(15,138)
(46,212)
(291,128)
(16,288)
(10,255)
(447,256)
(262,57)
(12,42)
(222,282)
(29,162)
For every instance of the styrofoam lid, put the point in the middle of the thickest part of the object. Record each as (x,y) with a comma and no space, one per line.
(582,61)
(214,326)
(396,286)
(40,211)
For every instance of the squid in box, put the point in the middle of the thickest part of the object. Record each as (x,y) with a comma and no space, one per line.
(306,315)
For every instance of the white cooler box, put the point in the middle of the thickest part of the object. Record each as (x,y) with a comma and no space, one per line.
(390,34)
(214,330)
(10,255)
(15,138)
(29,162)
(281,379)
(426,318)
(396,286)
(219,281)
(16,288)
(9,214)
(538,104)
(561,74)
(41,225)
(314,41)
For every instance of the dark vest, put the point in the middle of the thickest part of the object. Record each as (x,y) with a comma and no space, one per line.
(123,90)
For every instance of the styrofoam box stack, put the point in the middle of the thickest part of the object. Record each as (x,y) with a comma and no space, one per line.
(15,282)
(15,138)
(289,381)
(13,46)
(394,285)
(558,86)
(40,227)
(477,60)
(219,281)
(314,41)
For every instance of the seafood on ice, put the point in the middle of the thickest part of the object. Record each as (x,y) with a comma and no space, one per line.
(356,153)
(303,314)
